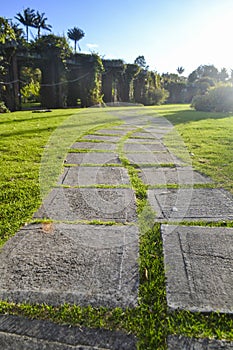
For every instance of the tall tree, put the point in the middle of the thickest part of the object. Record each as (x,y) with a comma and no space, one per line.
(223,75)
(75,34)
(27,18)
(231,75)
(204,71)
(180,70)
(141,62)
(40,23)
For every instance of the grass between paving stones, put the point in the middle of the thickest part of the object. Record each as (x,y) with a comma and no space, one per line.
(96,186)
(150,321)
(113,165)
(83,150)
(86,222)
(202,223)
(137,184)
(178,186)
(107,134)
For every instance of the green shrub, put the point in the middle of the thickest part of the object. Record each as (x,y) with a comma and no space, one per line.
(3,108)
(155,96)
(201,103)
(217,99)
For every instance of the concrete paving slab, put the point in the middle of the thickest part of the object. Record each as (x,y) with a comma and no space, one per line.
(142,141)
(125,127)
(143,135)
(153,158)
(198,267)
(93,158)
(178,175)
(70,204)
(161,129)
(114,131)
(68,263)
(191,204)
(140,147)
(164,127)
(94,146)
(160,122)
(18,333)
(86,176)
(183,343)
(158,133)
(102,138)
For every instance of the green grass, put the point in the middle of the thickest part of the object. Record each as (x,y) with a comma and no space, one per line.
(92,150)
(96,186)
(209,139)
(22,138)
(32,150)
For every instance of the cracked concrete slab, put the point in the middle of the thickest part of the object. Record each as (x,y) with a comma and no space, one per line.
(153,158)
(191,204)
(167,176)
(198,268)
(70,204)
(184,343)
(102,138)
(19,333)
(86,176)
(71,263)
(140,147)
(100,146)
(93,158)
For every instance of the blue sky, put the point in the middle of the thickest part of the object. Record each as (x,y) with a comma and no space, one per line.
(169,33)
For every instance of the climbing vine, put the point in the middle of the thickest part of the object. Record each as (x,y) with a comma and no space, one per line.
(95,92)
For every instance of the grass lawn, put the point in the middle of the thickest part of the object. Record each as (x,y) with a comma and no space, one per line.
(26,139)
(209,139)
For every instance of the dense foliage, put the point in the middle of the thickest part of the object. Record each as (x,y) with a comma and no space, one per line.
(217,99)
(3,108)
(206,88)
(93,80)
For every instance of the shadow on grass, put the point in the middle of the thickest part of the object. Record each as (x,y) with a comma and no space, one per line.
(29,116)
(187,116)
(30,119)
(90,124)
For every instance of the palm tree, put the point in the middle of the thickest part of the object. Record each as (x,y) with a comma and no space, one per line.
(27,18)
(180,70)
(75,34)
(40,23)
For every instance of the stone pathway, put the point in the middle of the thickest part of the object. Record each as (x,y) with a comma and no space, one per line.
(79,258)
(17,333)
(198,268)
(183,343)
